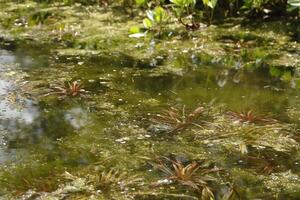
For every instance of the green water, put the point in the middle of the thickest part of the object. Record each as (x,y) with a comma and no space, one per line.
(108,127)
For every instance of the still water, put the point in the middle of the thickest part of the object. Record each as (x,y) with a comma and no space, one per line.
(43,133)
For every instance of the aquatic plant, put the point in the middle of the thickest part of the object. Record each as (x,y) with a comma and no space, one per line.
(184,9)
(104,180)
(250,136)
(71,89)
(261,165)
(107,179)
(178,120)
(191,175)
(25,178)
(156,20)
(154,23)
(249,117)
(39,18)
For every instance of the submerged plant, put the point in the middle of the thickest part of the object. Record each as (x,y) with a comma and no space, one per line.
(191,175)
(108,179)
(249,117)
(178,120)
(105,179)
(71,89)
(262,165)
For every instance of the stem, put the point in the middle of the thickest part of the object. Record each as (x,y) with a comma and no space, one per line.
(211,16)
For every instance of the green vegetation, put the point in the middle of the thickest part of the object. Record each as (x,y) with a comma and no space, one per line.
(149,99)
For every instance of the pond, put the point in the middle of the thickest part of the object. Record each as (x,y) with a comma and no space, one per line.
(133,119)
(95,106)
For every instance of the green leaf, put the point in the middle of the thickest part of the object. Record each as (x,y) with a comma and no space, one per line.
(210,3)
(147,23)
(134,29)
(184,3)
(140,2)
(295,3)
(160,14)
(178,3)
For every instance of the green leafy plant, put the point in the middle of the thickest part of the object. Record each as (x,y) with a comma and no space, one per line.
(256,8)
(156,20)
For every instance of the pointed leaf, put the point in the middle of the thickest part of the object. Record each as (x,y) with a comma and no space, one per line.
(147,23)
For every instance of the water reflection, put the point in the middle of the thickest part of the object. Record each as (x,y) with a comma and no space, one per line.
(15,111)
(222,78)
(238,89)
(24,122)
(6,58)
(77,117)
